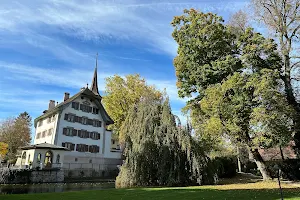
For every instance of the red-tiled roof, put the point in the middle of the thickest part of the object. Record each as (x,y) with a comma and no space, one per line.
(275,154)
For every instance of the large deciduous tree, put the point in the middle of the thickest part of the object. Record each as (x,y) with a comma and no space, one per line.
(282,17)
(159,153)
(16,132)
(234,76)
(122,93)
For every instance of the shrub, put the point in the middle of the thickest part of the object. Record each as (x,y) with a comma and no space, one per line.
(226,167)
(8,175)
(95,173)
(290,169)
(81,173)
(70,174)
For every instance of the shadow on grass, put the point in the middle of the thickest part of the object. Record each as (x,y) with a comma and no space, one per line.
(240,178)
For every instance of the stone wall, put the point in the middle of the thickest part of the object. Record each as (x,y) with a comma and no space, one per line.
(23,176)
(47,176)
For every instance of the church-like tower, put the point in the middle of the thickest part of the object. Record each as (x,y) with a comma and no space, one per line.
(79,124)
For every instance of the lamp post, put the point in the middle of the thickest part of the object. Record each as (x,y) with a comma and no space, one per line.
(279,172)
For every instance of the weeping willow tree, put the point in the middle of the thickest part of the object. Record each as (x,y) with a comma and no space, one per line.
(157,152)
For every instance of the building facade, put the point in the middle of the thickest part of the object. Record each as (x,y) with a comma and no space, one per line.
(79,123)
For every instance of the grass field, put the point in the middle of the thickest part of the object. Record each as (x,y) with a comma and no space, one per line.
(243,191)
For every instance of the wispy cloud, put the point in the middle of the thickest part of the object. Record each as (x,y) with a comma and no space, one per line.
(71,78)
(104,21)
(48,46)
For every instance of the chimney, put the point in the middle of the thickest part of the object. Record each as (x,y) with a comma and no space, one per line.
(67,95)
(51,104)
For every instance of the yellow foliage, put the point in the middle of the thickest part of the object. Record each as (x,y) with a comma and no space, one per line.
(3,149)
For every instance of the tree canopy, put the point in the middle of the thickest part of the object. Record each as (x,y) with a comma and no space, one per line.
(157,152)
(122,93)
(282,17)
(234,76)
(16,132)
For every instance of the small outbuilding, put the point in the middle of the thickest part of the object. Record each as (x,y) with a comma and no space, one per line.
(42,156)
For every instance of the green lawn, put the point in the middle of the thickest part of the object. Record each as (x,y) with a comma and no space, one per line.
(260,190)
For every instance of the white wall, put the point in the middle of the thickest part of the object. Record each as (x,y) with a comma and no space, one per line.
(75,139)
(108,153)
(82,157)
(45,127)
(34,154)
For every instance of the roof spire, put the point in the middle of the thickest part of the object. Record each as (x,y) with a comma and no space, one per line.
(94,86)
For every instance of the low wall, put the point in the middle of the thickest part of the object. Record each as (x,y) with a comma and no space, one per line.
(90,173)
(44,176)
(23,176)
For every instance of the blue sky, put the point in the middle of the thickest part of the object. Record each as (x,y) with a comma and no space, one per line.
(49,47)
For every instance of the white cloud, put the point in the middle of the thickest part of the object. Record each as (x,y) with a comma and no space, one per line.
(34,27)
(71,78)
(103,21)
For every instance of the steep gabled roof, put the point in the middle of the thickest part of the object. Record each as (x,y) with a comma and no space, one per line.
(86,92)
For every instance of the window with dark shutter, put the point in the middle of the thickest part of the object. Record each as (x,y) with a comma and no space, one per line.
(84,120)
(75,118)
(65,131)
(71,117)
(66,116)
(98,136)
(77,147)
(74,132)
(63,144)
(73,147)
(79,119)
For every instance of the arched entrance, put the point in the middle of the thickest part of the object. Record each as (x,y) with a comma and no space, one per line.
(48,159)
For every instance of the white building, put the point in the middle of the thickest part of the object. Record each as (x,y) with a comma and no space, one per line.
(78,124)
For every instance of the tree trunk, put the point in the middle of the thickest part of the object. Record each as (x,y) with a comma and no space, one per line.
(239,160)
(292,101)
(281,152)
(260,164)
